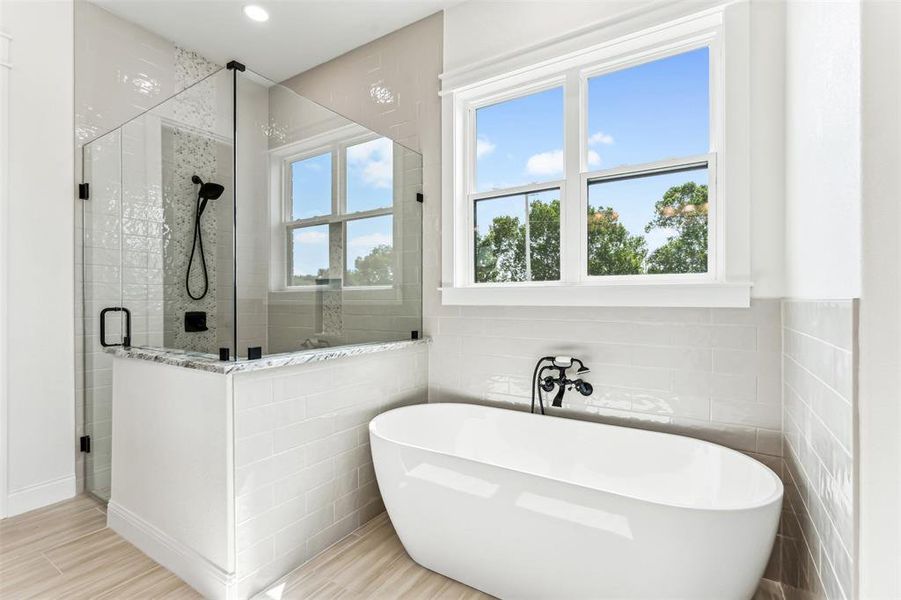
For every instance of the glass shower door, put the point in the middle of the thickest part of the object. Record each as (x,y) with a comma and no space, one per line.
(102,292)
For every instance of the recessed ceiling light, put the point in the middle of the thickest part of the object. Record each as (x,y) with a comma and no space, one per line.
(256,13)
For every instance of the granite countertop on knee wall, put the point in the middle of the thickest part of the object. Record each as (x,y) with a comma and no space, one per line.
(212,364)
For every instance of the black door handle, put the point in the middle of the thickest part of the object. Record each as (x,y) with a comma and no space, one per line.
(126,341)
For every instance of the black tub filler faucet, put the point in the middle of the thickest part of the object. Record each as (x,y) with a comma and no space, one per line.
(560,364)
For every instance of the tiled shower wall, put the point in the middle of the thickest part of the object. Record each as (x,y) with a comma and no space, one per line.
(303,467)
(820,391)
(186,153)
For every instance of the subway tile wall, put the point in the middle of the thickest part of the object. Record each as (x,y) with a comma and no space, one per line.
(708,373)
(303,467)
(820,391)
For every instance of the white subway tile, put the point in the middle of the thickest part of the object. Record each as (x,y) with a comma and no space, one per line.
(252,449)
(252,393)
(303,433)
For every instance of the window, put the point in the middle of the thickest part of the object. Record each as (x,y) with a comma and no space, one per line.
(339,214)
(370,251)
(645,216)
(648,223)
(516,207)
(597,172)
(309,255)
(517,238)
(311,187)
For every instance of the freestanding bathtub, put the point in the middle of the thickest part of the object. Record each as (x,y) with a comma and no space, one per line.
(527,506)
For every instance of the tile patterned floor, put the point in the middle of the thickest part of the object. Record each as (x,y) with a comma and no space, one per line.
(66,551)
(369,563)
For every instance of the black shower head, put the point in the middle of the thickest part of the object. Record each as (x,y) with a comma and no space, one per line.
(207,191)
(210,191)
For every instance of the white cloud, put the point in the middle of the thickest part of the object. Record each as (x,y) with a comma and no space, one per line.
(546,163)
(484,147)
(310,237)
(373,162)
(594,159)
(600,138)
(370,240)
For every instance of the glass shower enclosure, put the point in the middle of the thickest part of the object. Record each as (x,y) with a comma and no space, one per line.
(239,218)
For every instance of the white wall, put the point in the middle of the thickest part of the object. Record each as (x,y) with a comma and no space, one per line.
(477,32)
(822,150)
(173,470)
(880,304)
(41,429)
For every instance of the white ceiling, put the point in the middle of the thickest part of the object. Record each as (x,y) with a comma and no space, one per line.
(300,34)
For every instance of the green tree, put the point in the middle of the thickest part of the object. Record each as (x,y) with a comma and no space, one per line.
(682,210)
(612,250)
(376,268)
(544,238)
(501,253)
(309,279)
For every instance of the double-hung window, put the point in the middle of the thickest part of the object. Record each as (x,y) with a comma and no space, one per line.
(571,183)
(338,210)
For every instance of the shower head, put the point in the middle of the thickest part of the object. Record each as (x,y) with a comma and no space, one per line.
(210,191)
(207,191)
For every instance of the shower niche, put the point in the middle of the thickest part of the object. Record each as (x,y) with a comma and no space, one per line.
(240,216)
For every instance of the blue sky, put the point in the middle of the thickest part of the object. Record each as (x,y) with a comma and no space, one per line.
(646,113)
(370,171)
(311,243)
(311,194)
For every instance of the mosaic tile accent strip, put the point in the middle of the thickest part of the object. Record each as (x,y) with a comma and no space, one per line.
(186,154)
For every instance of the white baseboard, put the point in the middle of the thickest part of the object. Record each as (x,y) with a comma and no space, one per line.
(196,571)
(41,494)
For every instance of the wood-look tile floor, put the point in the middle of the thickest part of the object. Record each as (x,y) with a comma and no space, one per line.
(369,563)
(66,551)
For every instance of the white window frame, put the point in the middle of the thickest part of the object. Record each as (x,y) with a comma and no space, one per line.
(336,143)
(727,281)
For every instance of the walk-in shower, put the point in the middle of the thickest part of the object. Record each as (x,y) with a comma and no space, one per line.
(236,218)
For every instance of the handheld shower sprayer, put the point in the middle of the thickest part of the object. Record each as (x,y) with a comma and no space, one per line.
(206,192)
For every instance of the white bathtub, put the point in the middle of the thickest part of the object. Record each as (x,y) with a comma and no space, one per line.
(528,506)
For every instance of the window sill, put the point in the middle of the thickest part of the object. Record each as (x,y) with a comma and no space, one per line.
(698,295)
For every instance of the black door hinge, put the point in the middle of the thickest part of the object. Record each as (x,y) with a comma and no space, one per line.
(84,442)
(419,197)
(84,191)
